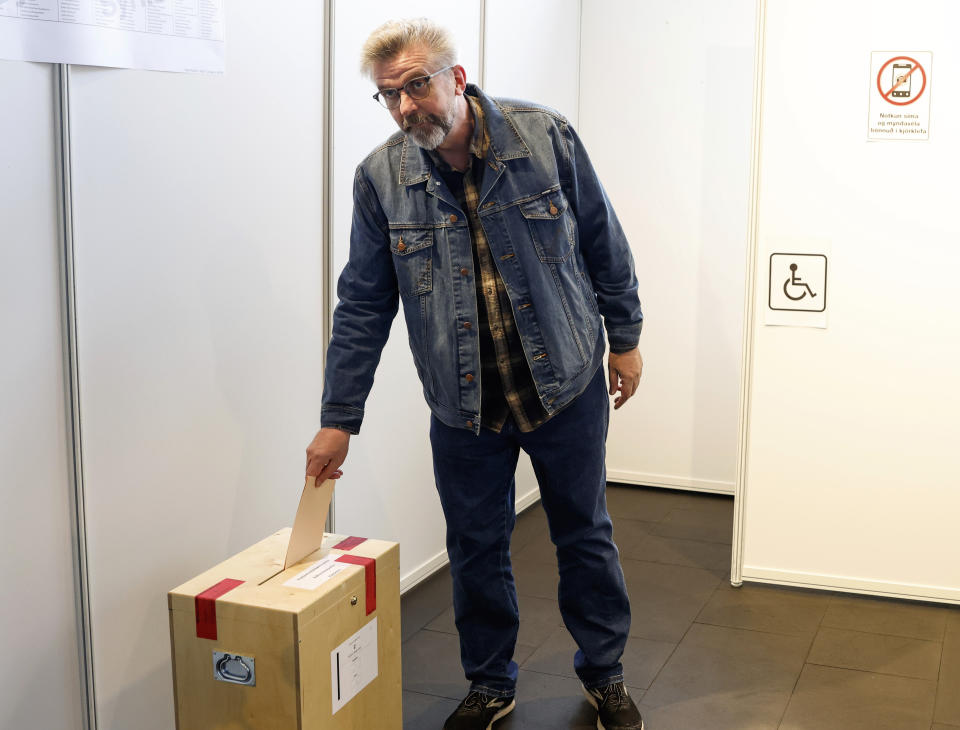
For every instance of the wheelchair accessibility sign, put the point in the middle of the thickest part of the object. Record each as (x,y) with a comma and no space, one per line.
(798,282)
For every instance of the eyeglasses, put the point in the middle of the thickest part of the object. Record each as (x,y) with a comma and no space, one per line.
(418,88)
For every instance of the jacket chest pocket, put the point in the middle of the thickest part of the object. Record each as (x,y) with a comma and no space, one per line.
(412,250)
(551,226)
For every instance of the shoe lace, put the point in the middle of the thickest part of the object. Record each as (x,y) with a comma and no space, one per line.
(475,701)
(615,696)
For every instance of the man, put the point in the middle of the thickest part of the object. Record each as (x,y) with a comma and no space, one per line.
(486,219)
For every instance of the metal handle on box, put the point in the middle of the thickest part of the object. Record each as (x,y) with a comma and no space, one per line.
(242,671)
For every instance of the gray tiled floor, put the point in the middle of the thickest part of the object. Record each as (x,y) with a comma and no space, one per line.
(702,654)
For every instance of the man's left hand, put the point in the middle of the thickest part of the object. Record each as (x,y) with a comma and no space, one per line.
(624,369)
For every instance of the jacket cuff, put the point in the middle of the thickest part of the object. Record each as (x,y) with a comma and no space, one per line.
(344,418)
(623,338)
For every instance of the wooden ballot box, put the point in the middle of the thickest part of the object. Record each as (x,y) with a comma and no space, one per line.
(312,647)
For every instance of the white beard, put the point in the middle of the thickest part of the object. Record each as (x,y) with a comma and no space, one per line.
(430,135)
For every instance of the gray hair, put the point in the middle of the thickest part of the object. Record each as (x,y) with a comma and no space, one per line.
(396,36)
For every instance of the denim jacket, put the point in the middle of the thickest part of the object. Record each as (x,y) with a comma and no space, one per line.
(553,234)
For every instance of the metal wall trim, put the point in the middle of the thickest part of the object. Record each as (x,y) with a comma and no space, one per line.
(329,285)
(749,306)
(482,70)
(72,396)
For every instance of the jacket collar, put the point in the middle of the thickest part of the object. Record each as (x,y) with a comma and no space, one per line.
(505,142)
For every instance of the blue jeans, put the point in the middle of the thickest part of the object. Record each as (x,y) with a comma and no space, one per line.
(475,479)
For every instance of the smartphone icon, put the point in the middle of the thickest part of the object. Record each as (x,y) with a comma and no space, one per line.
(901,79)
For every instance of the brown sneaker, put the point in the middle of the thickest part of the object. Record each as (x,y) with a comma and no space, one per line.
(615,709)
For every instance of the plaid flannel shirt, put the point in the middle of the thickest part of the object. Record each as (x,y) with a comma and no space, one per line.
(507,387)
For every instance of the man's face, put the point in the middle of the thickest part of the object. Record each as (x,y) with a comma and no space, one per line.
(426,121)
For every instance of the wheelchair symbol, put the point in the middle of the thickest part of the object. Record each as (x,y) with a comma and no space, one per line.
(794,281)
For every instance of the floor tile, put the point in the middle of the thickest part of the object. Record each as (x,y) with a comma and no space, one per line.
(549,702)
(887,616)
(948,688)
(445,622)
(665,599)
(693,524)
(534,631)
(953,620)
(522,652)
(539,617)
(726,679)
(421,604)
(531,525)
(766,608)
(878,653)
(826,697)
(537,550)
(642,658)
(674,551)
(629,534)
(535,579)
(425,712)
(654,503)
(640,503)
(431,665)
(540,609)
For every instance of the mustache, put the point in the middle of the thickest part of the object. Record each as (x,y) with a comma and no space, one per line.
(414,119)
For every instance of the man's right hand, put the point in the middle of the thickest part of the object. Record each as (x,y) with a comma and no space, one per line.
(326,453)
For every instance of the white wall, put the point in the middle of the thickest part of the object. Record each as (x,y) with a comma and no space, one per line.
(851,459)
(665,101)
(199,269)
(39,631)
(388,488)
(38,634)
(532,51)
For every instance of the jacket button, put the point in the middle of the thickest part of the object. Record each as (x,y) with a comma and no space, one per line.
(453,218)
(467,325)
(469,424)
(464,272)
(401,246)
(468,377)
(553,209)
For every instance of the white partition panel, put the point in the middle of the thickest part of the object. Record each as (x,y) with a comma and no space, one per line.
(532,51)
(199,272)
(38,634)
(665,114)
(851,459)
(387,490)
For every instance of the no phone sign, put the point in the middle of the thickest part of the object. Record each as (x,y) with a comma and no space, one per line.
(899,95)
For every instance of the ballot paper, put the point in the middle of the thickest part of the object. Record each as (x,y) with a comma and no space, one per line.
(307,535)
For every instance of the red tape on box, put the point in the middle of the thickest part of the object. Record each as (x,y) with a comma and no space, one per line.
(370,576)
(349,544)
(205,605)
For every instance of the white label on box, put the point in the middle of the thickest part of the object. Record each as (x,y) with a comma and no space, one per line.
(353,665)
(317,574)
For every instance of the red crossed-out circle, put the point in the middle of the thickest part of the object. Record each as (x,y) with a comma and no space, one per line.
(916,67)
